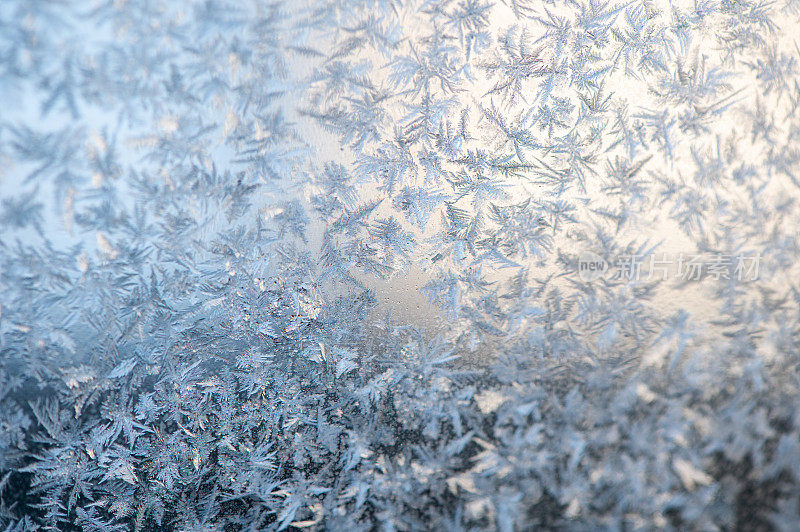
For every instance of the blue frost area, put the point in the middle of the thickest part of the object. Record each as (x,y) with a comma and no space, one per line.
(399,265)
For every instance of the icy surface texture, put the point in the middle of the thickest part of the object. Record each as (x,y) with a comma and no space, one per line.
(399,265)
